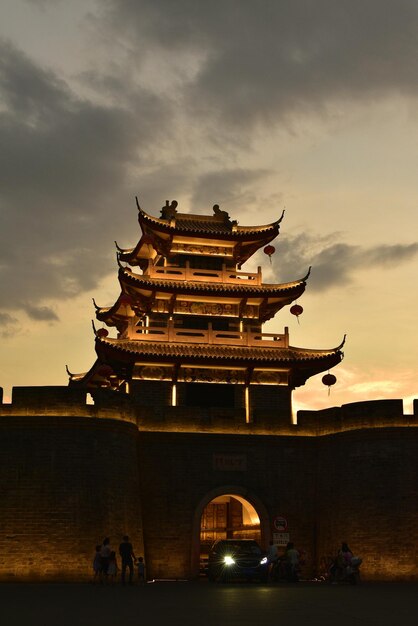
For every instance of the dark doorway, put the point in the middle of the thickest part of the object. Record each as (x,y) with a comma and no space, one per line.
(207,395)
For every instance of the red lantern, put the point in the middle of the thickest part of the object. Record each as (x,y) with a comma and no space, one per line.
(102,332)
(297,310)
(269,250)
(329,380)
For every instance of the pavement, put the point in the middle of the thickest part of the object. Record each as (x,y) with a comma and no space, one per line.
(200,603)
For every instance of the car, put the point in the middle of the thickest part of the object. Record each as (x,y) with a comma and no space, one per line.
(237,559)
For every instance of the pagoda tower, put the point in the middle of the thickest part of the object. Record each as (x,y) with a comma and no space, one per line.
(189,323)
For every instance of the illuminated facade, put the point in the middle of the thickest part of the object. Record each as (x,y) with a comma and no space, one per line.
(189,324)
(181,431)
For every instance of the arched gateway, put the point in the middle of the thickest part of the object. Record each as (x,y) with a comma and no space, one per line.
(227,512)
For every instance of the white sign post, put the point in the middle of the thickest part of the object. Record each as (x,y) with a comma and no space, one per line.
(281,539)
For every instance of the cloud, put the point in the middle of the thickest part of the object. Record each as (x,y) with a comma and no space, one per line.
(231,185)
(154,121)
(41,313)
(334,263)
(8,325)
(64,181)
(6,319)
(271,61)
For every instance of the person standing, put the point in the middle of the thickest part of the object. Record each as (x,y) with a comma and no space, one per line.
(292,563)
(97,565)
(126,552)
(273,558)
(112,570)
(141,570)
(105,551)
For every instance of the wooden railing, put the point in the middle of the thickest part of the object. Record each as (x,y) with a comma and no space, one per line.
(205,275)
(209,337)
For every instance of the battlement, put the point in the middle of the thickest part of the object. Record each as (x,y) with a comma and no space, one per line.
(69,402)
(75,402)
(356,415)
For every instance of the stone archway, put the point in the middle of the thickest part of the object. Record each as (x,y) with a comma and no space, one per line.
(255,519)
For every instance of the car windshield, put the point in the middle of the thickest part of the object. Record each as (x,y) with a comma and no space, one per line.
(242,547)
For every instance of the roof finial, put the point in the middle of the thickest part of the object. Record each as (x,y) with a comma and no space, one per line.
(219,213)
(68,371)
(169,211)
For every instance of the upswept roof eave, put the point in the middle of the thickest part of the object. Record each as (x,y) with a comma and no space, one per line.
(226,353)
(235,232)
(127,274)
(83,377)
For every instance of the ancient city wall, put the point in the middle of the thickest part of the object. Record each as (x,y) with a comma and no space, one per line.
(368,496)
(66,481)
(182,472)
(71,473)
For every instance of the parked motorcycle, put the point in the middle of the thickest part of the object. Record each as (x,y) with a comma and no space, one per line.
(349,574)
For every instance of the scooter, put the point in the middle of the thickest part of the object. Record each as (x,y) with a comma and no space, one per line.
(349,574)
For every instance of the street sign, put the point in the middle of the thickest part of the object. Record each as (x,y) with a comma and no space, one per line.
(281,539)
(280,524)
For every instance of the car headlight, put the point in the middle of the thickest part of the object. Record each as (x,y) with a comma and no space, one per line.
(263,560)
(228,560)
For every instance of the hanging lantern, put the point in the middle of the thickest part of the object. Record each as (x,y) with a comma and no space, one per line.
(269,250)
(102,332)
(297,310)
(329,380)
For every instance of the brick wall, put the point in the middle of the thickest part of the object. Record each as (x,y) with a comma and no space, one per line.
(271,404)
(177,473)
(367,495)
(65,483)
(71,474)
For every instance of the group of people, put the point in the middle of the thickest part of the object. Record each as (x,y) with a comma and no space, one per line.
(105,563)
(285,566)
(345,566)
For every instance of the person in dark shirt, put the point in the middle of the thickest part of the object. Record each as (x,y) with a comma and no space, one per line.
(126,552)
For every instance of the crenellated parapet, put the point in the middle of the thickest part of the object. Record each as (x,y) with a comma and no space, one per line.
(56,401)
(63,401)
(356,416)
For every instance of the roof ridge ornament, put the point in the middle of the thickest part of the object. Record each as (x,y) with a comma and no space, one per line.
(223,215)
(68,371)
(95,305)
(169,211)
(281,217)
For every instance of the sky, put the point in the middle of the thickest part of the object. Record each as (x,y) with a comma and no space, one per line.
(305,105)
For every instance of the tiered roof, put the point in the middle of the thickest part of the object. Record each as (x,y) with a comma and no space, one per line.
(164,234)
(181,292)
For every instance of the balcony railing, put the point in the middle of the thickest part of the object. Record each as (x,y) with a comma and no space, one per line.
(205,275)
(209,337)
